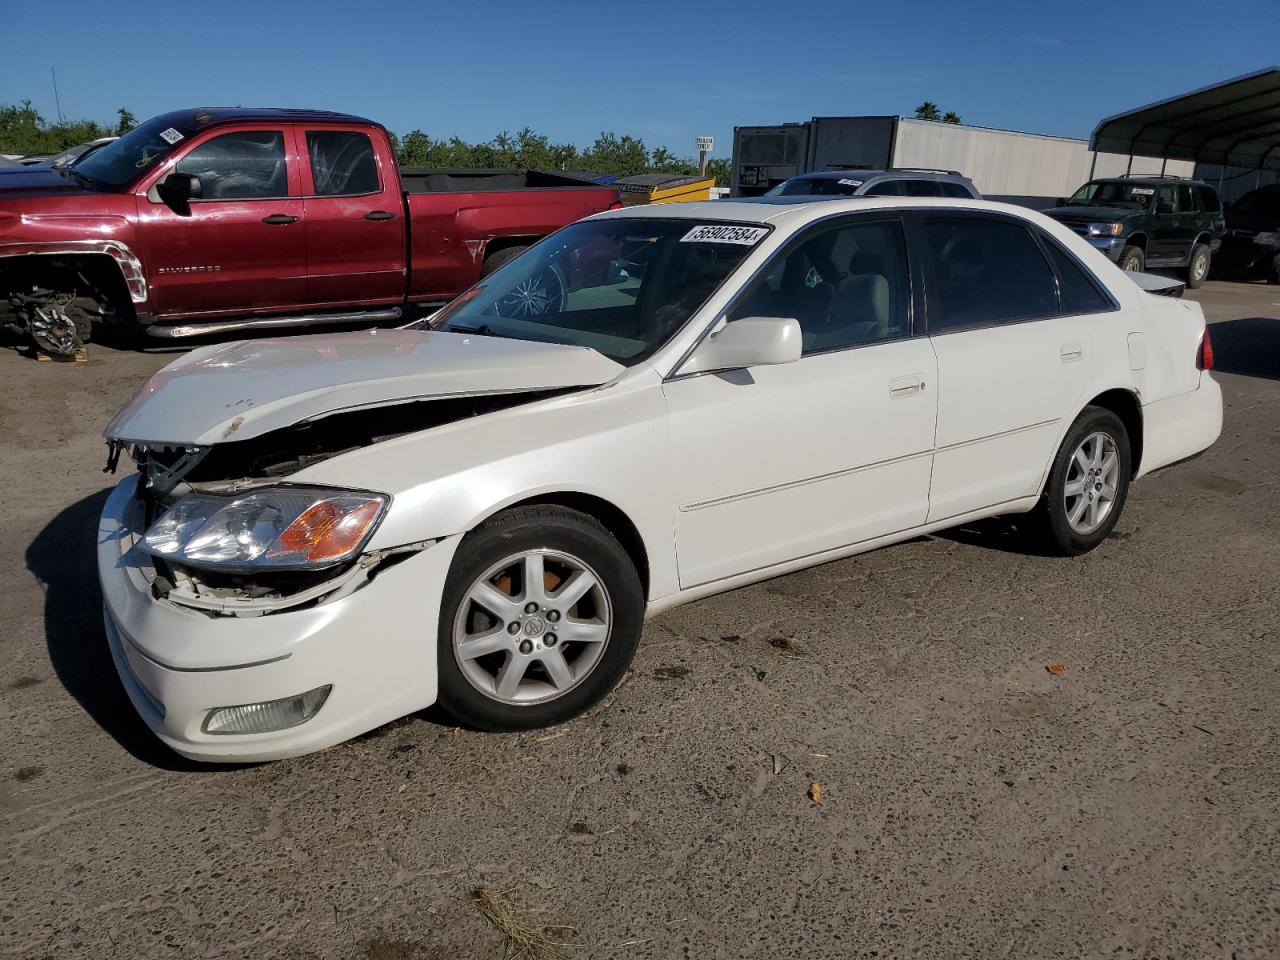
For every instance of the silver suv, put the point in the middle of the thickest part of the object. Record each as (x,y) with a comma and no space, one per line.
(895,182)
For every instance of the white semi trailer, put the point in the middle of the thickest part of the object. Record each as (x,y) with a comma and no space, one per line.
(1026,168)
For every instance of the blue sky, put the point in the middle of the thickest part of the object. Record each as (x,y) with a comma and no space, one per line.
(663,71)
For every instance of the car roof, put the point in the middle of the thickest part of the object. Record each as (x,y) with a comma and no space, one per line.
(796,211)
(858,173)
(1152,181)
(203,117)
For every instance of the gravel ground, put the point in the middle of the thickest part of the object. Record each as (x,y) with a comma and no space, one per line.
(974,803)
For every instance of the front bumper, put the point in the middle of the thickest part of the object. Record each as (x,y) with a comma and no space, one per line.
(375,646)
(1111,246)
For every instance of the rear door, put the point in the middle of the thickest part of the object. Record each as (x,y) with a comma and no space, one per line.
(240,248)
(1167,231)
(355,229)
(1011,367)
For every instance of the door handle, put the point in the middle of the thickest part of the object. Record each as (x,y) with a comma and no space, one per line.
(1071,352)
(279,218)
(901,387)
(379,215)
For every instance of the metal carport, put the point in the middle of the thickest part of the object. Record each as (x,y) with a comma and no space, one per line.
(1231,124)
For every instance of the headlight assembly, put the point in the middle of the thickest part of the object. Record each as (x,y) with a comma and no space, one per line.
(1106,229)
(280,528)
(1267,238)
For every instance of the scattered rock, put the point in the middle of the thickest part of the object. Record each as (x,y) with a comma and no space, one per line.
(790,646)
(28,773)
(671,673)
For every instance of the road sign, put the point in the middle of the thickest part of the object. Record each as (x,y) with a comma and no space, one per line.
(704,144)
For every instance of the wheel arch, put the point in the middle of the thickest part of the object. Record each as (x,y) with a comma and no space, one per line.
(614,518)
(1124,404)
(498,244)
(1138,240)
(110,262)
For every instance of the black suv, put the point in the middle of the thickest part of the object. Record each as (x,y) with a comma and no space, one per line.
(1252,242)
(1148,221)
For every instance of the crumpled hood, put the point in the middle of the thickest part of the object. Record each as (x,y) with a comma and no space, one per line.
(240,390)
(1094,214)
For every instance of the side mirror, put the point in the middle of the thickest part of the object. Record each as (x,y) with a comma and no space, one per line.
(1061,202)
(751,342)
(179,189)
(1164,206)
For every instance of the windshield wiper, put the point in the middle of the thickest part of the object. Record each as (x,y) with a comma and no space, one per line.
(482,328)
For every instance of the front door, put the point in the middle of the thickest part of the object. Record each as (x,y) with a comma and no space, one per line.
(240,247)
(1011,366)
(355,221)
(776,463)
(1167,230)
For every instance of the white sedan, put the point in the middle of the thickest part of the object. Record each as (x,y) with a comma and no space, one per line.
(653,405)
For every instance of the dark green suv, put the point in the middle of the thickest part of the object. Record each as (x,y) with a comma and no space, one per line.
(1149,221)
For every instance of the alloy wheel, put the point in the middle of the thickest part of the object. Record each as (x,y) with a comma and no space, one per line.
(1092,482)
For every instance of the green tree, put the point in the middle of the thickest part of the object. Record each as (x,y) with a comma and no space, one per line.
(928,111)
(951,117)
(127,121)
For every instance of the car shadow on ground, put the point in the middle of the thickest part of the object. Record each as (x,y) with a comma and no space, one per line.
(1249,346)
(63,558)
(1006,534)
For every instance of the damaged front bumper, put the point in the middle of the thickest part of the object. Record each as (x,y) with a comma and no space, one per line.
(372,639)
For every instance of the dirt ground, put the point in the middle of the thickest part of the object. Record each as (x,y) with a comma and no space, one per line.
(974,803)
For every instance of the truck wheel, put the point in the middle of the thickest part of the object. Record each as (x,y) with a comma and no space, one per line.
(499,258)
(60,328)
(1133,259)
(1198,266)
(1273,270)
(541,615)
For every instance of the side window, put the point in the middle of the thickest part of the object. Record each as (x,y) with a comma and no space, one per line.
(921,188)
(343,163)
(950,189)
(1186,199)
(1079,292)
(248,165)
(1209,201)
(846,285)
(1167,198)
(885,188)
(986,272)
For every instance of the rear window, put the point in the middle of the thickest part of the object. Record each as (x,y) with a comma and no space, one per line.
(986,272)
(343,163)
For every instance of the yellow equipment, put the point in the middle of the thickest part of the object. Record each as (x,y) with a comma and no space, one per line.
(664,188)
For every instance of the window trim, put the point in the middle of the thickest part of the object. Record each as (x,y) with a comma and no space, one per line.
(822,226)
(305,164)
(286,143)
(1046,243)
(932,308)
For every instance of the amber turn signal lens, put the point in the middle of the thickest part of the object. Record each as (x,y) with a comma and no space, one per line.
(327,530)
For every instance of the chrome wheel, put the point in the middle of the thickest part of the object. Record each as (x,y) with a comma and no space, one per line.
(1093,476)
(532,627)
(533,296)
(1199,267)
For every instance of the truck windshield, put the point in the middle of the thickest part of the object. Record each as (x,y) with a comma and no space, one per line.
(119,163)
(1114,193)
(620,286)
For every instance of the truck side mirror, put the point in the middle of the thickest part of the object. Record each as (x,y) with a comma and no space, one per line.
(179,189)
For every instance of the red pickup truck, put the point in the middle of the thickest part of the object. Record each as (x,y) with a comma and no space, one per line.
(207,220)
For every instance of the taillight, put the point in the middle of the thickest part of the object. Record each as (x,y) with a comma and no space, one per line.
(616,205)
(1204,355)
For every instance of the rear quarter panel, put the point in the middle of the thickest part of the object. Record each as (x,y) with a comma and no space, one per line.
(449,232)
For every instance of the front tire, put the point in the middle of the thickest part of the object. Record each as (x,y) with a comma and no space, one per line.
(541,617)
(1198,266)
(1087,485)
(1132,259)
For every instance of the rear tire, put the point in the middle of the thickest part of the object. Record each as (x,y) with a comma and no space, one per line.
(1198,266)
(1132,259)
(1087,484)
(1273,270)
(541,615)
(500,258)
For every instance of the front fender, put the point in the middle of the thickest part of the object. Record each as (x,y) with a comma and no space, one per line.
(119,252)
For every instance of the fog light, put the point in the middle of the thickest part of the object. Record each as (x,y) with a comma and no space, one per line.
(267,717)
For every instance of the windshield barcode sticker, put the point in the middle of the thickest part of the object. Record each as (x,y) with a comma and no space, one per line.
(1142,191)
(170,136)
(852,183)
(724,233)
